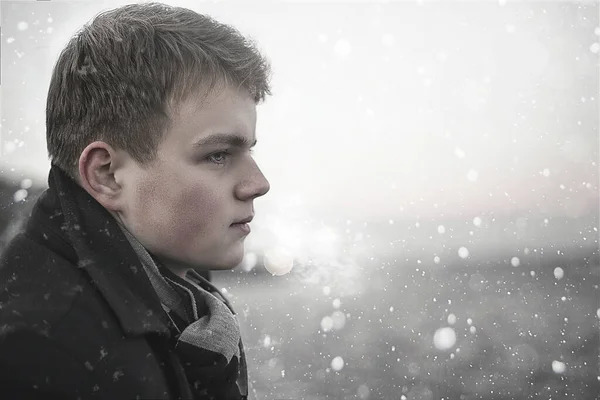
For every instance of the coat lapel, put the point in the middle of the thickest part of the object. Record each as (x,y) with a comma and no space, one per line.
(88,235)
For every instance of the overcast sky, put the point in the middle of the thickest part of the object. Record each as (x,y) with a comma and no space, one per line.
(379,110)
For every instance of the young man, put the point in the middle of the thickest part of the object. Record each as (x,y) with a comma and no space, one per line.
(151,118)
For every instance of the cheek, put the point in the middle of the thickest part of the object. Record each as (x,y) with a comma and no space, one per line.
(193,216)
(175,217)
(194,213)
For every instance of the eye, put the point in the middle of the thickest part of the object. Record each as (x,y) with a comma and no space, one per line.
(219,157)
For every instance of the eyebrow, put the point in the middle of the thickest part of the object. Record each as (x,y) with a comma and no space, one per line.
(225,138)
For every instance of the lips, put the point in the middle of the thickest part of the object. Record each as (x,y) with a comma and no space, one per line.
(245,220)
(242,225)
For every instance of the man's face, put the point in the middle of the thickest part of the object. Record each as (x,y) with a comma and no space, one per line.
(182,207)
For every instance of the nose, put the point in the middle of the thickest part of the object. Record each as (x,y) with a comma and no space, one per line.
(255,184)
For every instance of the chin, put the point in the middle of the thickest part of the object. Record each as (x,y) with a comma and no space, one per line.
(229,264)
(226,262)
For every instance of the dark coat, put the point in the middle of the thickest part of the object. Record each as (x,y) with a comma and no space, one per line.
(79,318)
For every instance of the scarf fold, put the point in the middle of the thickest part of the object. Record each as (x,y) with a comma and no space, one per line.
(208,342)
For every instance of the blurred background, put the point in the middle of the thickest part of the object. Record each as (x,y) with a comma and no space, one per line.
(432,226)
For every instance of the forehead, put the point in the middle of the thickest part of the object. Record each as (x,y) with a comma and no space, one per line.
(224,111)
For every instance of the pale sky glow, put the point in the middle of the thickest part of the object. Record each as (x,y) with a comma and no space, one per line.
(379,110)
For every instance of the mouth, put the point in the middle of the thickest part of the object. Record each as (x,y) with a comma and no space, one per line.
(243,224)
(246,220)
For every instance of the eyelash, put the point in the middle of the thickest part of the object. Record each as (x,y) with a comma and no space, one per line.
(210,157)
(226,153)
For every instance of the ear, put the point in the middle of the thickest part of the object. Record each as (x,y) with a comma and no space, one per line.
(97,165)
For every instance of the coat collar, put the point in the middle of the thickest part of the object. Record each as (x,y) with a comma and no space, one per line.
(86,234)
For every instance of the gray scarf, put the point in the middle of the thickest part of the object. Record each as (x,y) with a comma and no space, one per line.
(214,328)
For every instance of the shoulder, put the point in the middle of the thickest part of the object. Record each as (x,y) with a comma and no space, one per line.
(33,366)
(37,366)
(58,337)
(36,284)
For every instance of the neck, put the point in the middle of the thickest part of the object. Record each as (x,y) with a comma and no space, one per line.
(177,268)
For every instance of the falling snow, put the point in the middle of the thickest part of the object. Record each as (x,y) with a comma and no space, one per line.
(444,338)
(278,261)
(451,319)
(339,320)
(20,195)
(559,273)
(546,172)
(327,323)
(26,183)
(337,363)
(558,367)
